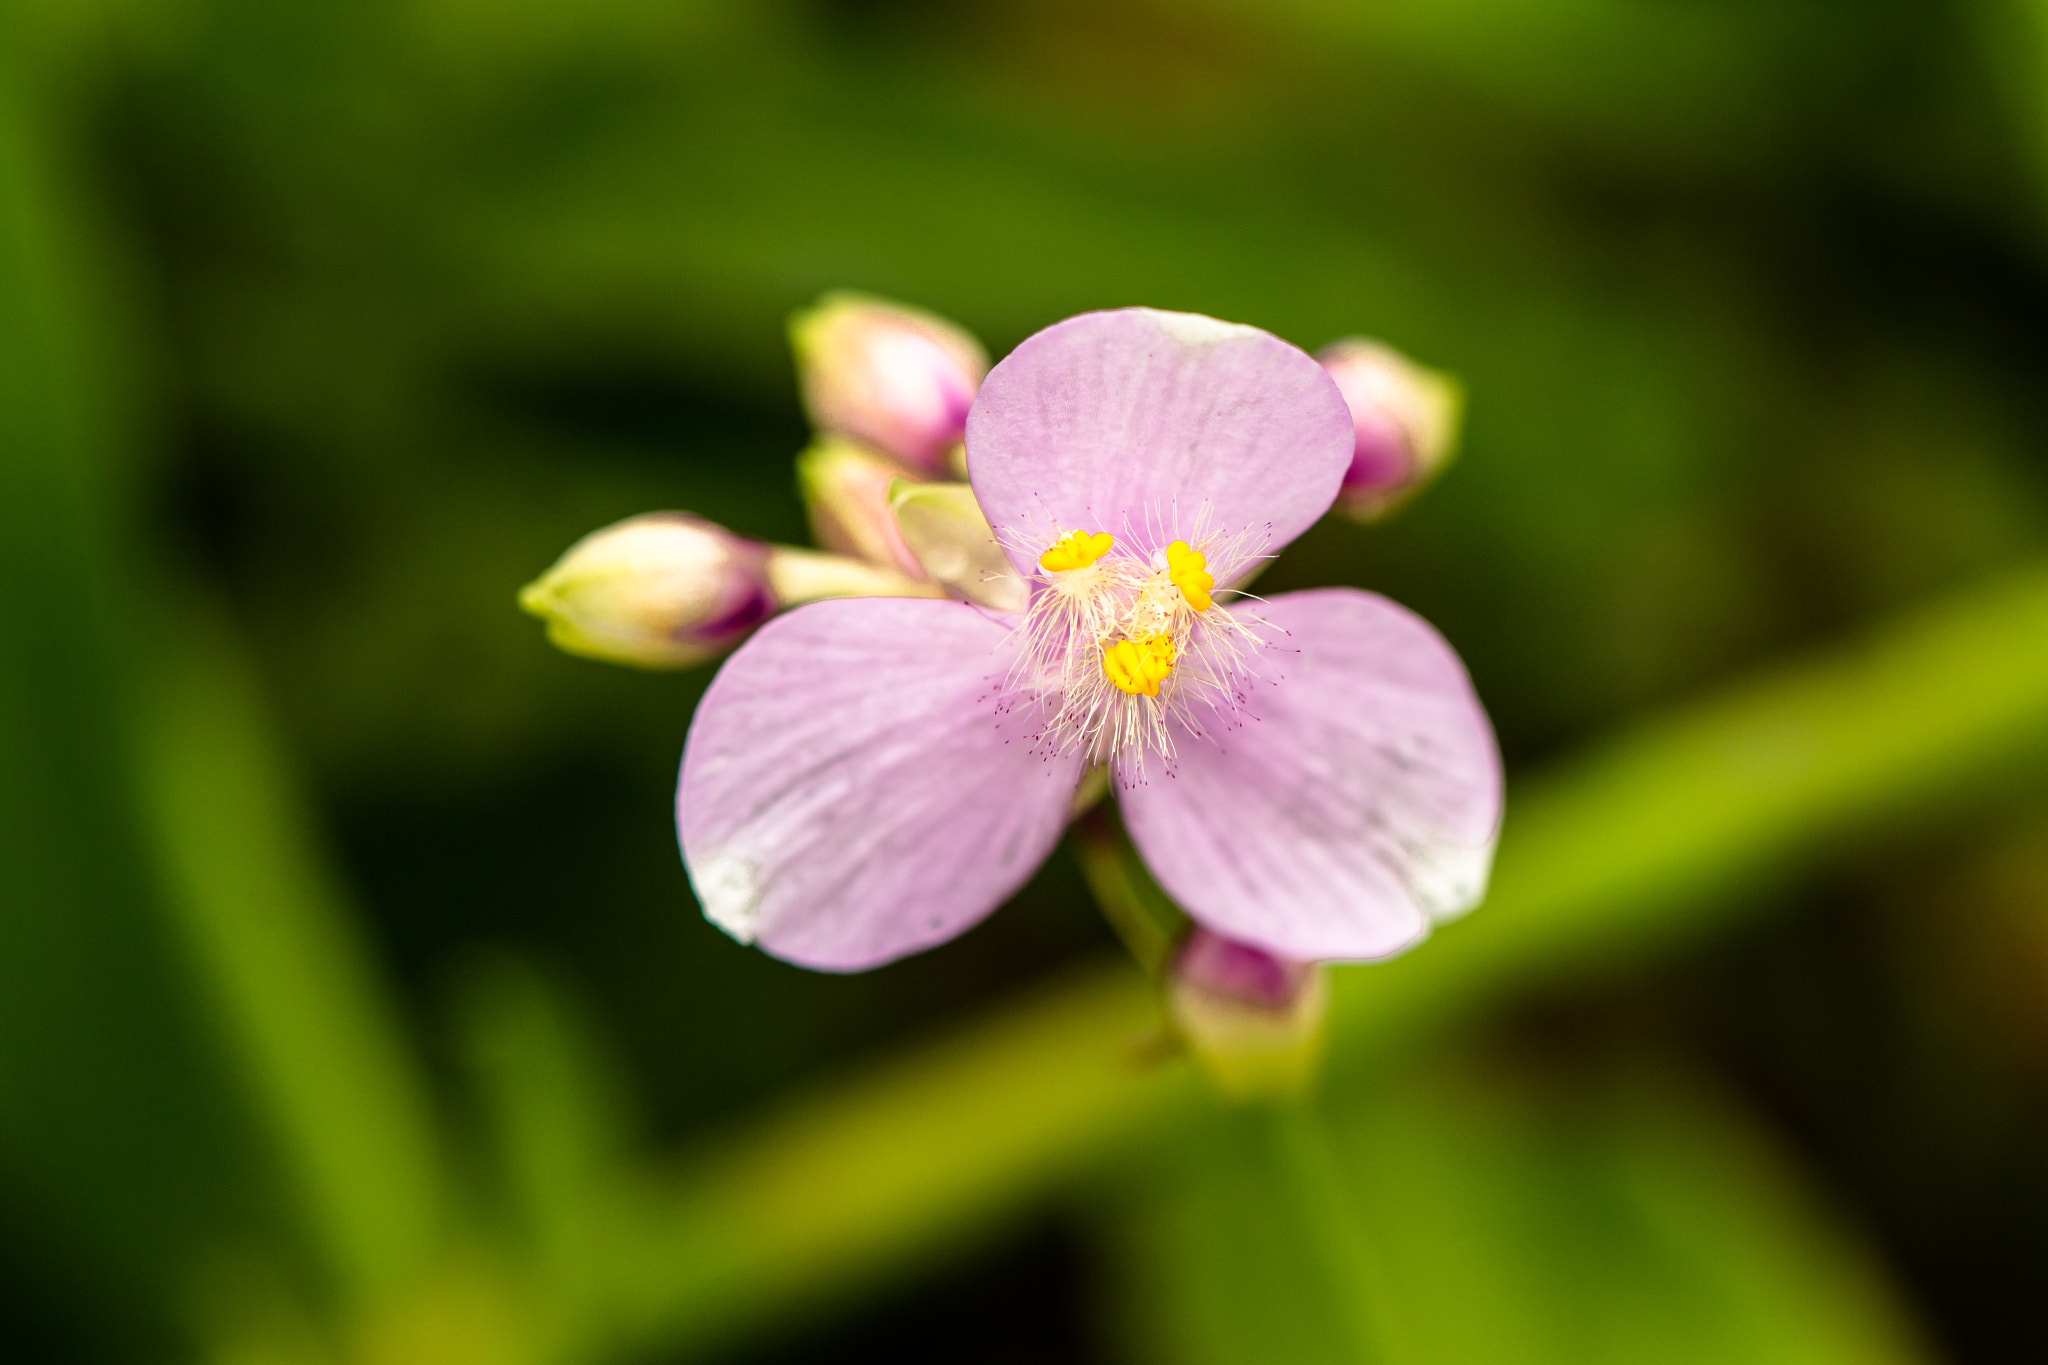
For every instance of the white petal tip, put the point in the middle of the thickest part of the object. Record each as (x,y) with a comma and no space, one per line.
(729,889)
(1449,879)
(1194,329)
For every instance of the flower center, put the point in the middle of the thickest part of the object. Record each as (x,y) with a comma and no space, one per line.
(1129,644)
(1137,667)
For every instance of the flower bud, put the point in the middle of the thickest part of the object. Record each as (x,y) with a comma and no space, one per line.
(1253,1021)
(944,527)
(897,378)
(1404,420)
(845,487)
(661,590)
(668,589)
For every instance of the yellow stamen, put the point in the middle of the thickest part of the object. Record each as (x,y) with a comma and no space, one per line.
(1076,550)
(1139,666)
(1189,572)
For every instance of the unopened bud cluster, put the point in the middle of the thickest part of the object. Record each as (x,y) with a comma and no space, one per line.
(888,388)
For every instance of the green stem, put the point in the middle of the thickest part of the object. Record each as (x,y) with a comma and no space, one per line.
(1144,917)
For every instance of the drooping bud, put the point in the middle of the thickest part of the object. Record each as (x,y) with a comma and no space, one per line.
(845,487)
(1404,420)
(668,589)
(946,530)
(898,378)
(1253,1021)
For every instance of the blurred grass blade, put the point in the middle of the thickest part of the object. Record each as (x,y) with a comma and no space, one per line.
(1644,841)
(1238,1238)
(846,1188)
(304,1013)
(1513,1219)
(122,1147)
(554,1120)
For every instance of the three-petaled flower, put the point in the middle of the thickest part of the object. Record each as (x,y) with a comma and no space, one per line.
(1310,773)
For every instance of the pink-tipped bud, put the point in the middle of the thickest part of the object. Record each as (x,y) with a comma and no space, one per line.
(1404,421)
(668,589)
(897,378)
(662,590)
(1253,1021)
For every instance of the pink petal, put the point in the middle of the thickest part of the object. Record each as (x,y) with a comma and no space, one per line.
(853,789)
(1142,423)
(1352,801)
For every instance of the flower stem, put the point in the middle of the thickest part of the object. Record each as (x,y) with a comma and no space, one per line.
(1149,923)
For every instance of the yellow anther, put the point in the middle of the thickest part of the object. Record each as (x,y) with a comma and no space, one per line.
(1076,550)
(1189,571)
(1139,666)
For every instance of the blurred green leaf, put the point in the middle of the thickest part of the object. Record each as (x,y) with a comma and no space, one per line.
(1240,1239)
(1507,1217)
(845,1188)
(558,1138)
(122,1143)
(299,1004)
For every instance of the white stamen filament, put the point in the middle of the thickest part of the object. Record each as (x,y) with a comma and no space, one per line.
(1075,615)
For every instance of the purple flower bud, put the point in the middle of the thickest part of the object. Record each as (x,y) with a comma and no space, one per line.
(1252,1020)
(1404,419)
(897,378)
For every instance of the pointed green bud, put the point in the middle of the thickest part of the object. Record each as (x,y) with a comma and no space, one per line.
(1404,420)
(945,529)
(662,590)
(845,486)
(899,379)
(668,589)
(1252,1021)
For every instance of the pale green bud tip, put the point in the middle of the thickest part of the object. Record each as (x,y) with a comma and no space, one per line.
(946,530)
(898,378)
(1252,1021)
(845,487)
(661,590)
(1404,421)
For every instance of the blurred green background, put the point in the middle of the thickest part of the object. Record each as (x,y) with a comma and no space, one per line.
(353,1005)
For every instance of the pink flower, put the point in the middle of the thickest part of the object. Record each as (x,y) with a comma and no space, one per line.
(1309,774)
